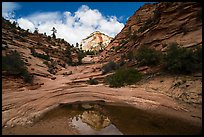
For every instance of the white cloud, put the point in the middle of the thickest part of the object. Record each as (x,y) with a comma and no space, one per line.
(42,18)
(26,24)
(73,27)
(8,9)
(88,17)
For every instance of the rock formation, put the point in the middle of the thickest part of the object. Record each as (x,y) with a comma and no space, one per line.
(43,55)
(156,26)
(95,41)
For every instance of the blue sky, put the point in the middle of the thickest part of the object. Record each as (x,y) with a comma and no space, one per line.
(73,20)
(118,9)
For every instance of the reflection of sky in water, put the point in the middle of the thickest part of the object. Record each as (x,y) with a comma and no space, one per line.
(86,129)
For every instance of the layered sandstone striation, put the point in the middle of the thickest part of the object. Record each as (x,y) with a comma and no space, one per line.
(156,26)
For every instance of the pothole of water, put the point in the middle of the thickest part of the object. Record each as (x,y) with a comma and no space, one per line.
(99,118)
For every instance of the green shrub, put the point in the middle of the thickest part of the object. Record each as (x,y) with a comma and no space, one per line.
(118,47)
(198,55)
(130,55)
(52,70)
(25,33)
(52,67)
(27,77)
(134,35)
(68,61)
(123,42)
(42,56)
(80,56)
(13,64)
(141,29)
(122,77)
(46,63)
(67,55)
(151,21)
(109,67)
(92,81)
(148,57)
(90,52)
(49,38)
(199,15)
(180,60)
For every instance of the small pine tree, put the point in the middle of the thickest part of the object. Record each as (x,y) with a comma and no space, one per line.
(36,31)
(77,44)
(54,31)
(80,46)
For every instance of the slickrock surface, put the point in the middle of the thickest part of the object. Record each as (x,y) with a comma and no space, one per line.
(21,105)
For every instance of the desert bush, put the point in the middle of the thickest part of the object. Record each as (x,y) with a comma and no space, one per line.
(52,67)
(67,55)
(118,47)
(68,61)
(42,56)
(46,63)
(198,54)
(134,35)
(151,21)
(92,81)
(27,77)
(25,33)
(90,52)
(109,67)
(80,56)
(130,55)
(122,77)
(14,65)
(49,38)
(148,57)
(181,60)
(199,15)
(51,70)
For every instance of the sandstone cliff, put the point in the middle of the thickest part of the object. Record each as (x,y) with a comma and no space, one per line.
(156,26)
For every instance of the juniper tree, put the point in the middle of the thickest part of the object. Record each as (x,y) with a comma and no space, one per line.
(54,31)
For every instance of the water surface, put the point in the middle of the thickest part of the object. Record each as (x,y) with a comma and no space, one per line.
(104,119)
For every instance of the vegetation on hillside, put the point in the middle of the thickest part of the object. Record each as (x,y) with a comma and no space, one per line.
(148,57)
(122,77)
(176,60)
(109,67)
(42,56)
(12,64)
(179,60)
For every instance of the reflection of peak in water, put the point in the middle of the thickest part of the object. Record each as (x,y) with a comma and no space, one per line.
(95,119)
(93,122)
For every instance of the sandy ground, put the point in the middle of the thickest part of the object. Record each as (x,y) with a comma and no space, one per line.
(23,105)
